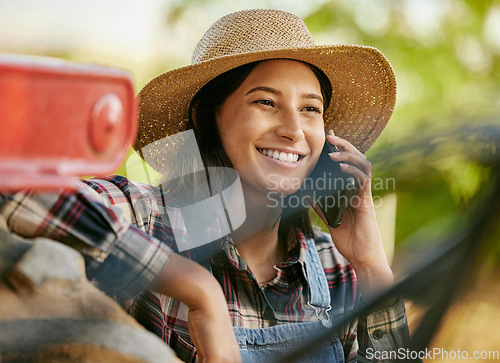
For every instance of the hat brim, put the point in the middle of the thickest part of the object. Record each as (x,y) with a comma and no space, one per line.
(362,79)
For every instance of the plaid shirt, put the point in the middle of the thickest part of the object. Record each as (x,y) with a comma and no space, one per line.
(119,228)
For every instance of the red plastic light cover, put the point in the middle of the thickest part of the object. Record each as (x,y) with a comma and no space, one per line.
(59,120)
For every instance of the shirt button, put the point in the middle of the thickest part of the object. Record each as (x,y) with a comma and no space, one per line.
(378,334)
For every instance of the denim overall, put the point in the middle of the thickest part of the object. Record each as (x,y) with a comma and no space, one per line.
(271,343)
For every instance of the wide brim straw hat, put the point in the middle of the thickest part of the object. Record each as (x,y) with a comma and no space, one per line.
(363,81)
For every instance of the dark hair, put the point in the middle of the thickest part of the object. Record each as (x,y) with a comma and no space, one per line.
(205,105)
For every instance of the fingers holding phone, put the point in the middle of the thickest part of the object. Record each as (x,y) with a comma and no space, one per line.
(357,238)
(341,174)
(351,160)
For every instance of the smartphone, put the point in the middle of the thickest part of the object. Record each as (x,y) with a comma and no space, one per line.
(330,188)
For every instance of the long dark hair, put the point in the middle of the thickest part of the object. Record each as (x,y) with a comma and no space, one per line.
(205,105)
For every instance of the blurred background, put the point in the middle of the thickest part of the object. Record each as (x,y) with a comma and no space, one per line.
(429,168)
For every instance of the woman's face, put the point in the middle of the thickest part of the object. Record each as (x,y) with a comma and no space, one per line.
(272,126)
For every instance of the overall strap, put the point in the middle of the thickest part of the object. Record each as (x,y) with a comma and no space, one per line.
(319,293)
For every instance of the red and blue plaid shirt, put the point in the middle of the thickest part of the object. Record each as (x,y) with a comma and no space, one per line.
(119,228)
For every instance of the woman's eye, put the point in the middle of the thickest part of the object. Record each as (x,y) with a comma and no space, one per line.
(265,102)
(313,109)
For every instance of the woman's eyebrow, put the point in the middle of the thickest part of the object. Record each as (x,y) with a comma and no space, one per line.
(265,89)
(314,96)
(276,92)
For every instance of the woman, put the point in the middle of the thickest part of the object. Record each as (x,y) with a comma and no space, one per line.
(259,96)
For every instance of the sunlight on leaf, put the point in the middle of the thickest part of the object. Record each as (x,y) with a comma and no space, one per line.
(462,176)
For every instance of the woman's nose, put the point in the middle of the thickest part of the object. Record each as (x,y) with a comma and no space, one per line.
(290,127)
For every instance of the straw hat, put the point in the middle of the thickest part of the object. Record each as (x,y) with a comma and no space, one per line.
(363,82)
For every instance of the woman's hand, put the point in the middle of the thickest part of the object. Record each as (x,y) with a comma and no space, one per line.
(358,237)
(209,323)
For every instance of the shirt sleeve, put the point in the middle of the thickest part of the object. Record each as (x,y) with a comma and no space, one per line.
(381,334)
(104,222)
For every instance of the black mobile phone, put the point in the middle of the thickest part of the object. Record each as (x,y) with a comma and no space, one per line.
(330,188)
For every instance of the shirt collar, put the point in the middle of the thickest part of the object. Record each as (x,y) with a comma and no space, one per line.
(296,249)
(296,252)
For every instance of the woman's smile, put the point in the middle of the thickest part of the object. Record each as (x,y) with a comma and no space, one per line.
(281,155)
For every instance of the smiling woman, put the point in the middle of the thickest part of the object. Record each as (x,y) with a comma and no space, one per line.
(259,96)
(259,99)
(266,121)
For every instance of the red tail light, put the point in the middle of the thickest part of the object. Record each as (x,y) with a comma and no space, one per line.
(59,120)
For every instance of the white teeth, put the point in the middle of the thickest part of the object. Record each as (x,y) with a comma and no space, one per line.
(282,156)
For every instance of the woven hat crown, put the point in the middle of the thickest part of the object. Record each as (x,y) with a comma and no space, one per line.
(250,31)
(363,82)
